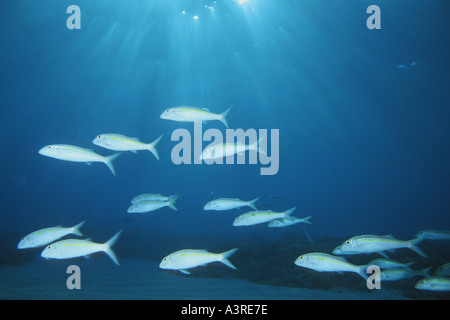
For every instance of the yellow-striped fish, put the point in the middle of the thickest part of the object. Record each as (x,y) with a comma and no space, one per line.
(219,150)
(146,205)
(261,216)
(379,244)
(118,142)
(395,274)
(185,259)
(68,152)
(229,203)
(434,284)
(323,262)
(285,222)
(74,248)
(193,114)
(45,236)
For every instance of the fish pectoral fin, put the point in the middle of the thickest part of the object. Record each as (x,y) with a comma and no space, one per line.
(88,163)
(185,271)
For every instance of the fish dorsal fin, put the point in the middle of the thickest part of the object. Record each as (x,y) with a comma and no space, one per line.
(206,109)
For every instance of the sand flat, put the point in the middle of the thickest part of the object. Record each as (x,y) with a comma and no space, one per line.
(142,279)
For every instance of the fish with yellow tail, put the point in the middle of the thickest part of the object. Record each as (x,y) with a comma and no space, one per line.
(379,244)
(45,236)
(75,248)
(434,284)
(68,152)
(194,114)
(261,216)
(323,262)
(218,151)
(285,222)
(395,274)
(146,205)
(118,142)
(229,203)
(185,259)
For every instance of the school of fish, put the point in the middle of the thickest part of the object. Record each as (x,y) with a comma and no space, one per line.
(185,259)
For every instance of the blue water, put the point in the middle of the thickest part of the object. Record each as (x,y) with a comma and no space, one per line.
(363,147)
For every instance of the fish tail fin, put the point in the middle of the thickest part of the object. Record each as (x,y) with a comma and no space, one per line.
(108,244)
(152,147)
(76,229)
(362,272)
(252,203)
(306,220)
(426,272)
(172,200)
(409,264)
(109,161)
(413,245)
(262,151)
(287,213)
(224,258)
(224,115)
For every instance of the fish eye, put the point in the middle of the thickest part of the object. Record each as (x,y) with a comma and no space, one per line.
(347,242)
(99,137)
(301,258)
(49,247)
(167,110)
(165,259)
(49,147)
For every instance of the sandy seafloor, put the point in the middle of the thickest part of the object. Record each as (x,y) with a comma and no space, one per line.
(141,279)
